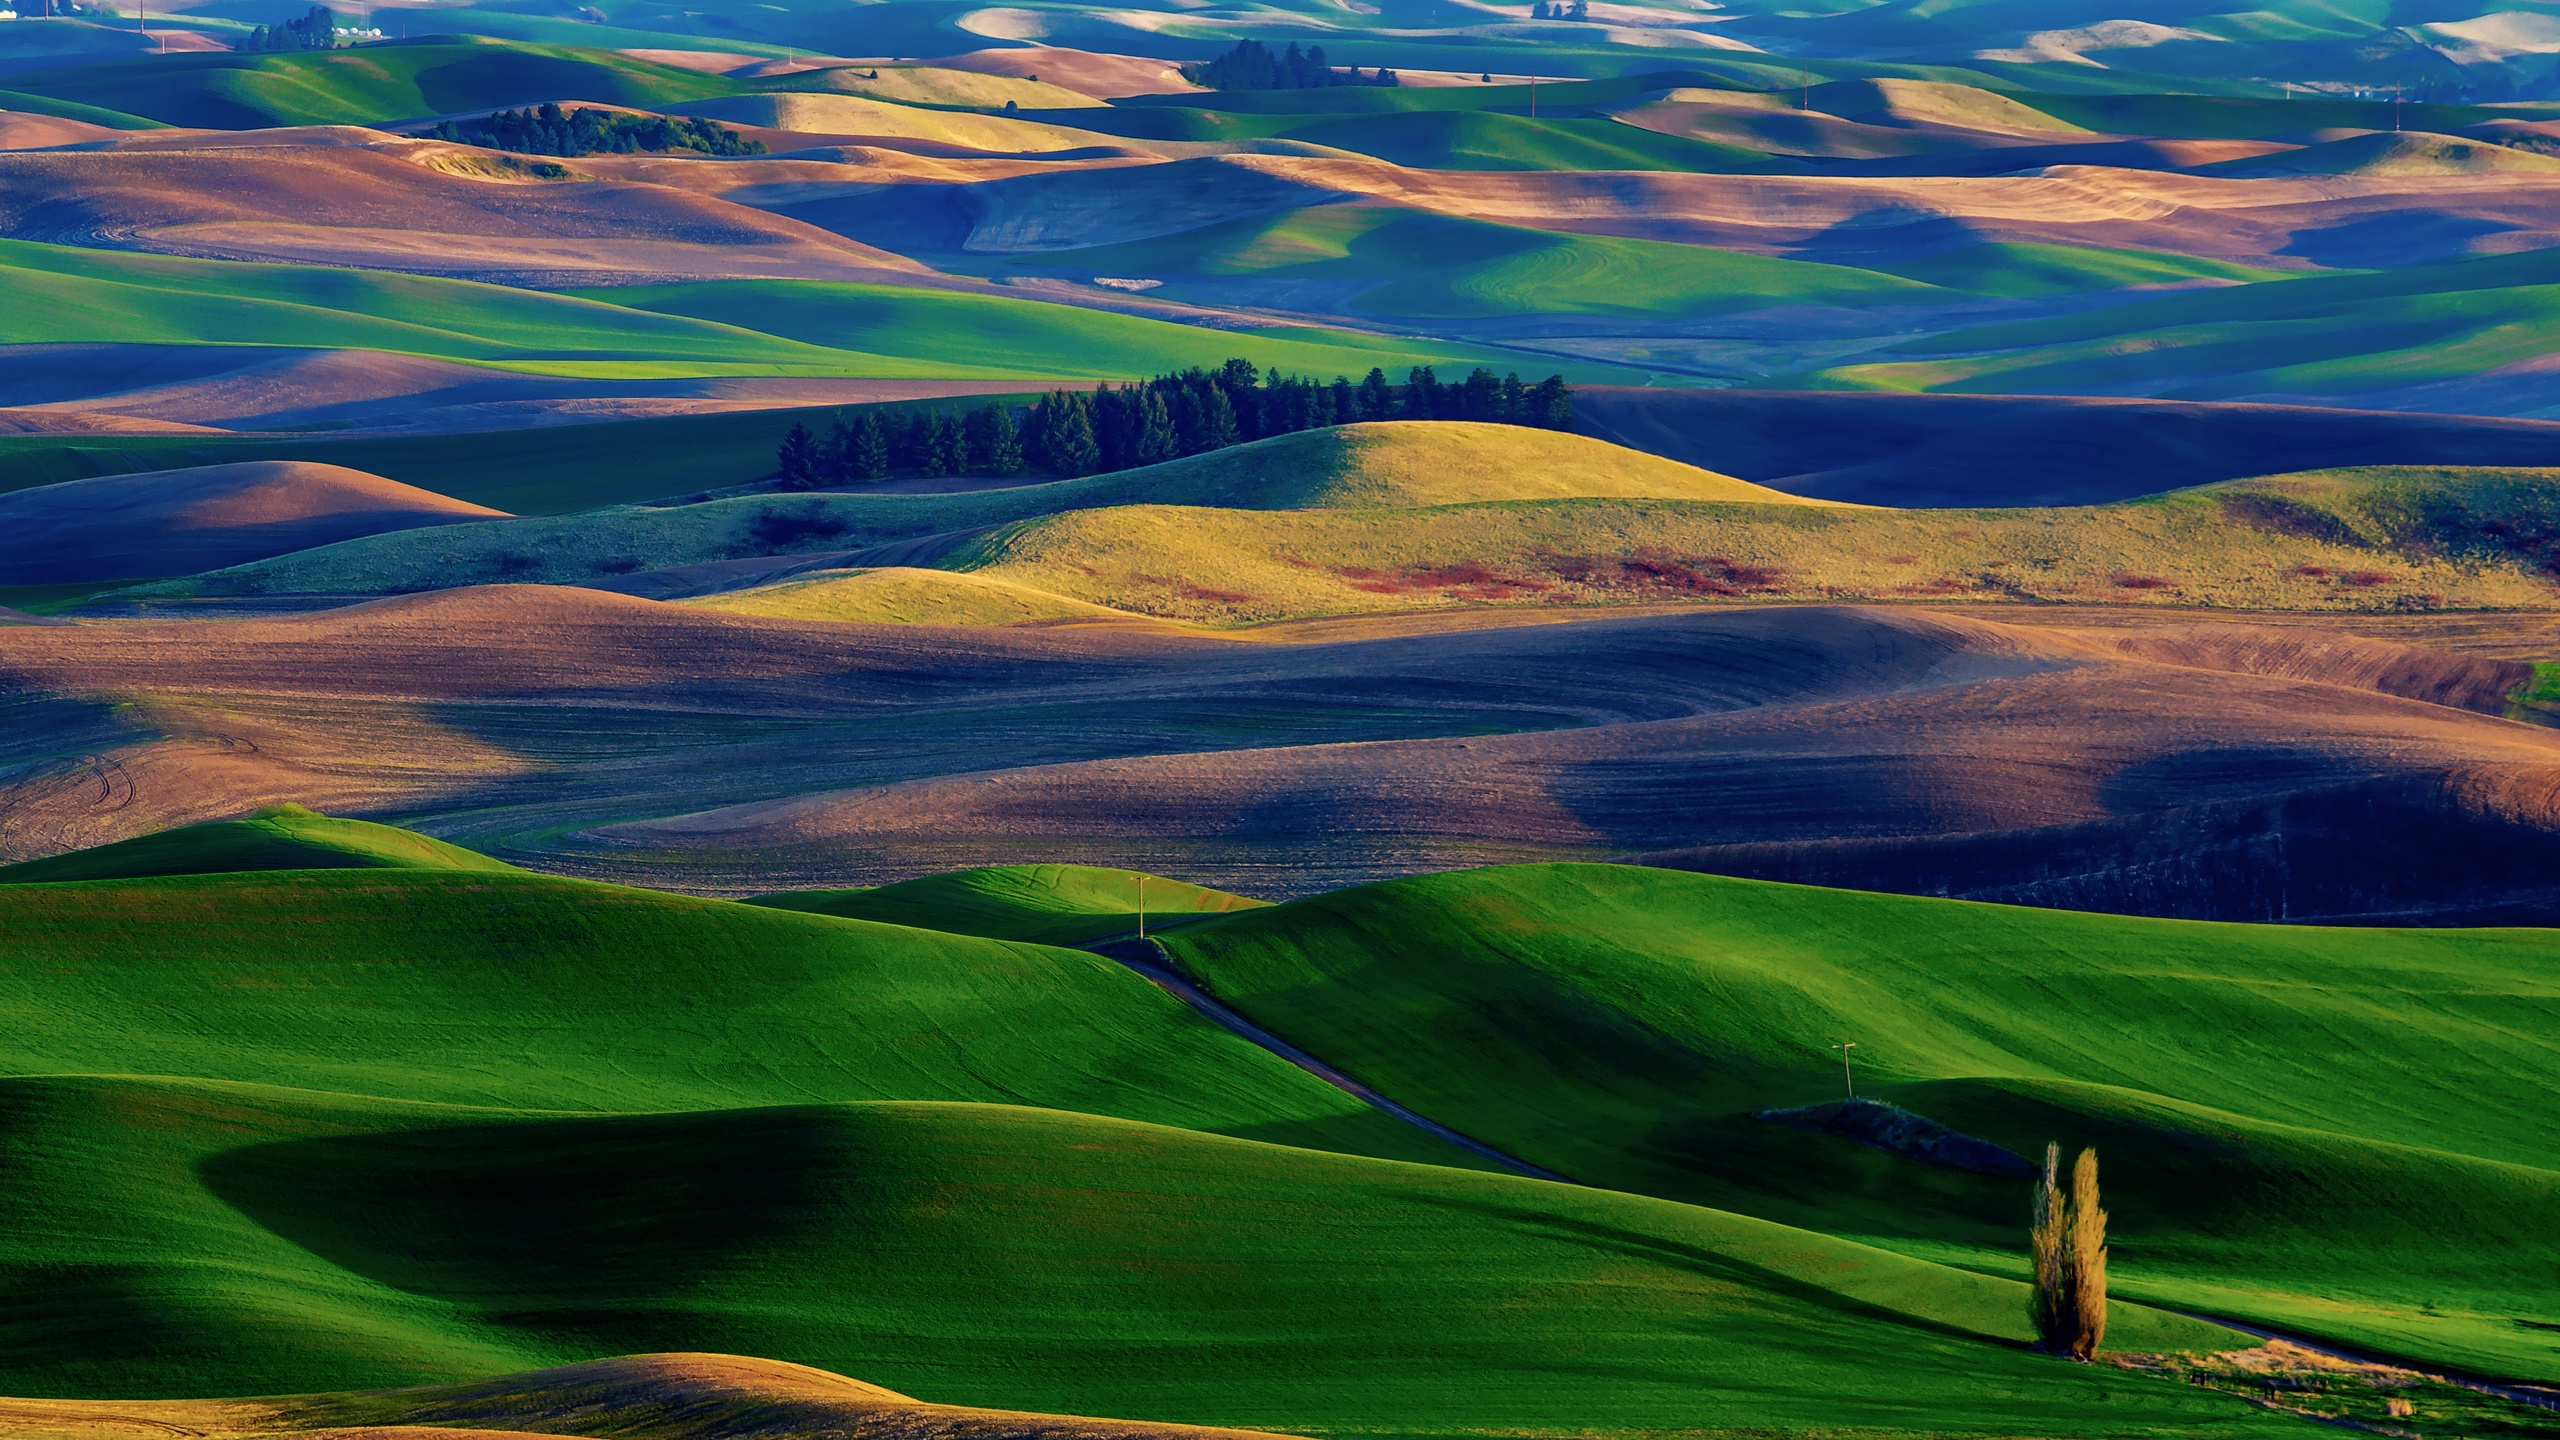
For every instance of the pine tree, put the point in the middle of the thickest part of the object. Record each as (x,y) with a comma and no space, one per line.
(1069,438)
(1377,400)
(950,446)
(1158,439)
(869,457)
(1004,442)
(915,443)
(835,454)
(1550,405)
(1217,421)
(797,460)
(977,440)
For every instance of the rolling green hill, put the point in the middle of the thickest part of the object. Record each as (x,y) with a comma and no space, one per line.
(546,470)
(60,293)
(1398,464)
(1424,265)
(64,109)
(330,1129)
(2026,269)
(232,1238)
(2388,538)
(1046,904)
(2342,335)
(2275,1107)
(389,80)
(1001,336)
(475,988)
(279,837)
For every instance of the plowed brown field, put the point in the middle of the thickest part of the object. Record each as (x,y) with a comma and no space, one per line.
(614,736)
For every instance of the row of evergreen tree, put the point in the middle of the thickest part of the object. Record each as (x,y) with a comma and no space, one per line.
(1071,432)
(548,131)
(315,31)
(1253,66)
(985,441)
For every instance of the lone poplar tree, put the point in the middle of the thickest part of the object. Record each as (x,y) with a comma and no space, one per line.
(2069,1241)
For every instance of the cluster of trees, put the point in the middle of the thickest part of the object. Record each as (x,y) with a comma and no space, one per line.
(1072,432)
(1253,66)
(1577,10)
(548,131)
(983,442)
(315,31)
(2069,1240)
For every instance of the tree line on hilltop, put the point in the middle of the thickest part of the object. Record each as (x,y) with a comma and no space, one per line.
(315,31)
(549,131)
(1253,66)
(1072,432)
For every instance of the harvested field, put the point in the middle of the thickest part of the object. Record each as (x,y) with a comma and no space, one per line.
(355,197)
(176,522)
(1969,450)
(548,726)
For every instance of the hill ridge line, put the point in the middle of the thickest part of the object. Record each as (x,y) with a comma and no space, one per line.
(1133,953)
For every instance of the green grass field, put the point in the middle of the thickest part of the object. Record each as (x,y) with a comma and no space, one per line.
(2319,334)
(280,837)
(1426,266)
(2338,1132)
(2023,270)
(393,80)
(547,470)
(326,1129)
(1045,904)
(708,328)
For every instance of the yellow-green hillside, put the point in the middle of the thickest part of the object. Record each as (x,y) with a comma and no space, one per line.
(902,595)
(937,85)
(1383,465)
(2359,540)
(862,115)
(1401,464)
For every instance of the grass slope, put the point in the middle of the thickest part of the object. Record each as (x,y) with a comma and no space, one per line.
(280,837)
(389,80)
(2380,539)
(1392,464)
(2025,270)
(2316,335)
(1002,336)
(526,992)
(903,595)
(2275,1107)
(173,1237)
(63,294)
(1046,904)
(547,470)
(1444,267)
(67,110)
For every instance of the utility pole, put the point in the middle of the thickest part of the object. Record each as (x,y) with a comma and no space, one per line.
(1844,1047)
(1804,79)
(2395,109)
(1142,908)
(1533,94)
